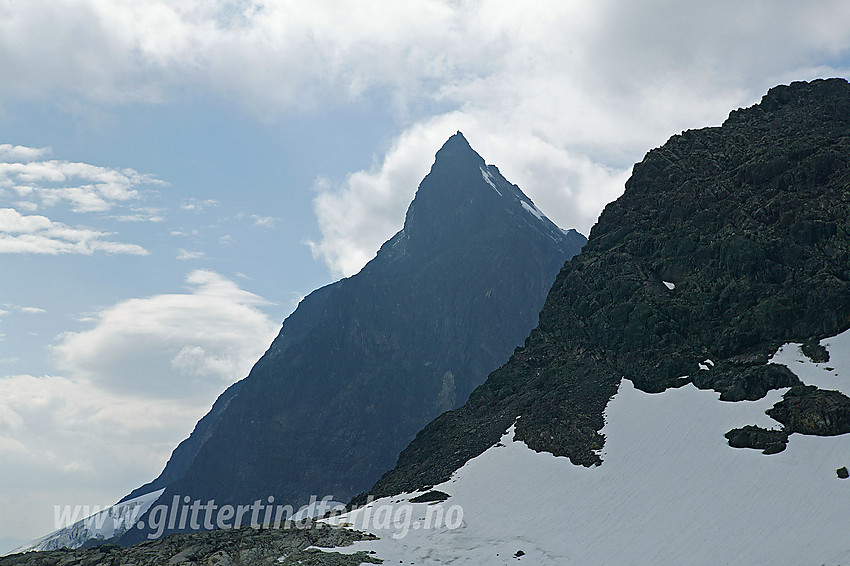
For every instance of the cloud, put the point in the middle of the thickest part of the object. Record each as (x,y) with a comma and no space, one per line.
(87,443)
(180,345)
(34,234)
(87,188)
(564,96)
(31,310)
(575,95)
(138,51)
(143,214)
(187,255)
(20,153)
(274,55)
(358,216)
(57,405)
(264,221)
(198,205)
(136,383)
(257,220)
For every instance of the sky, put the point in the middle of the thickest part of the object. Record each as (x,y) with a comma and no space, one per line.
(176,175)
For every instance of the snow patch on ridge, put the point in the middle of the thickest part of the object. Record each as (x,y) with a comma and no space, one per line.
(533,210)
(488,177)
(670,491)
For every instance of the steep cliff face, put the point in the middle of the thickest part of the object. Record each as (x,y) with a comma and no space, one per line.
(364,363)
(727,243)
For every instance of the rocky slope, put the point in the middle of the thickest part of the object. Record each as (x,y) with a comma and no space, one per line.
(364,363)
(213,548)
(728,242)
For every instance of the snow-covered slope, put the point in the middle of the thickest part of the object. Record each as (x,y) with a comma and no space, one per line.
(670,491)
(110,522)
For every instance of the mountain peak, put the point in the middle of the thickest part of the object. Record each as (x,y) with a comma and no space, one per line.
(463,198)
(456,150)
(376,356)
(456,140)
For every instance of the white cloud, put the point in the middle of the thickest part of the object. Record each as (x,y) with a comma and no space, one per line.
(198,205)
(264,221)
(357,217)
(577,95)
(137,381)
(67,441)
(119,51)
(257,220)
(564,96)
(12,153)
(143,214)
(173,345)
(31,310)
(34,234)
(279,54)
(74,405)
(187,255)
(87,188)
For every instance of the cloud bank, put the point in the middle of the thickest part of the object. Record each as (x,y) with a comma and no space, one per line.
(29,184)
(172,346)
(131,387)
(66,441)
(87,188)
(33,234)
(563,95)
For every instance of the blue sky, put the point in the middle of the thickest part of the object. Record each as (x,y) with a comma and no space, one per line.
(174,176)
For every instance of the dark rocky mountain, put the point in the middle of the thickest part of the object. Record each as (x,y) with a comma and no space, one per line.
(728,242)
(362,364)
